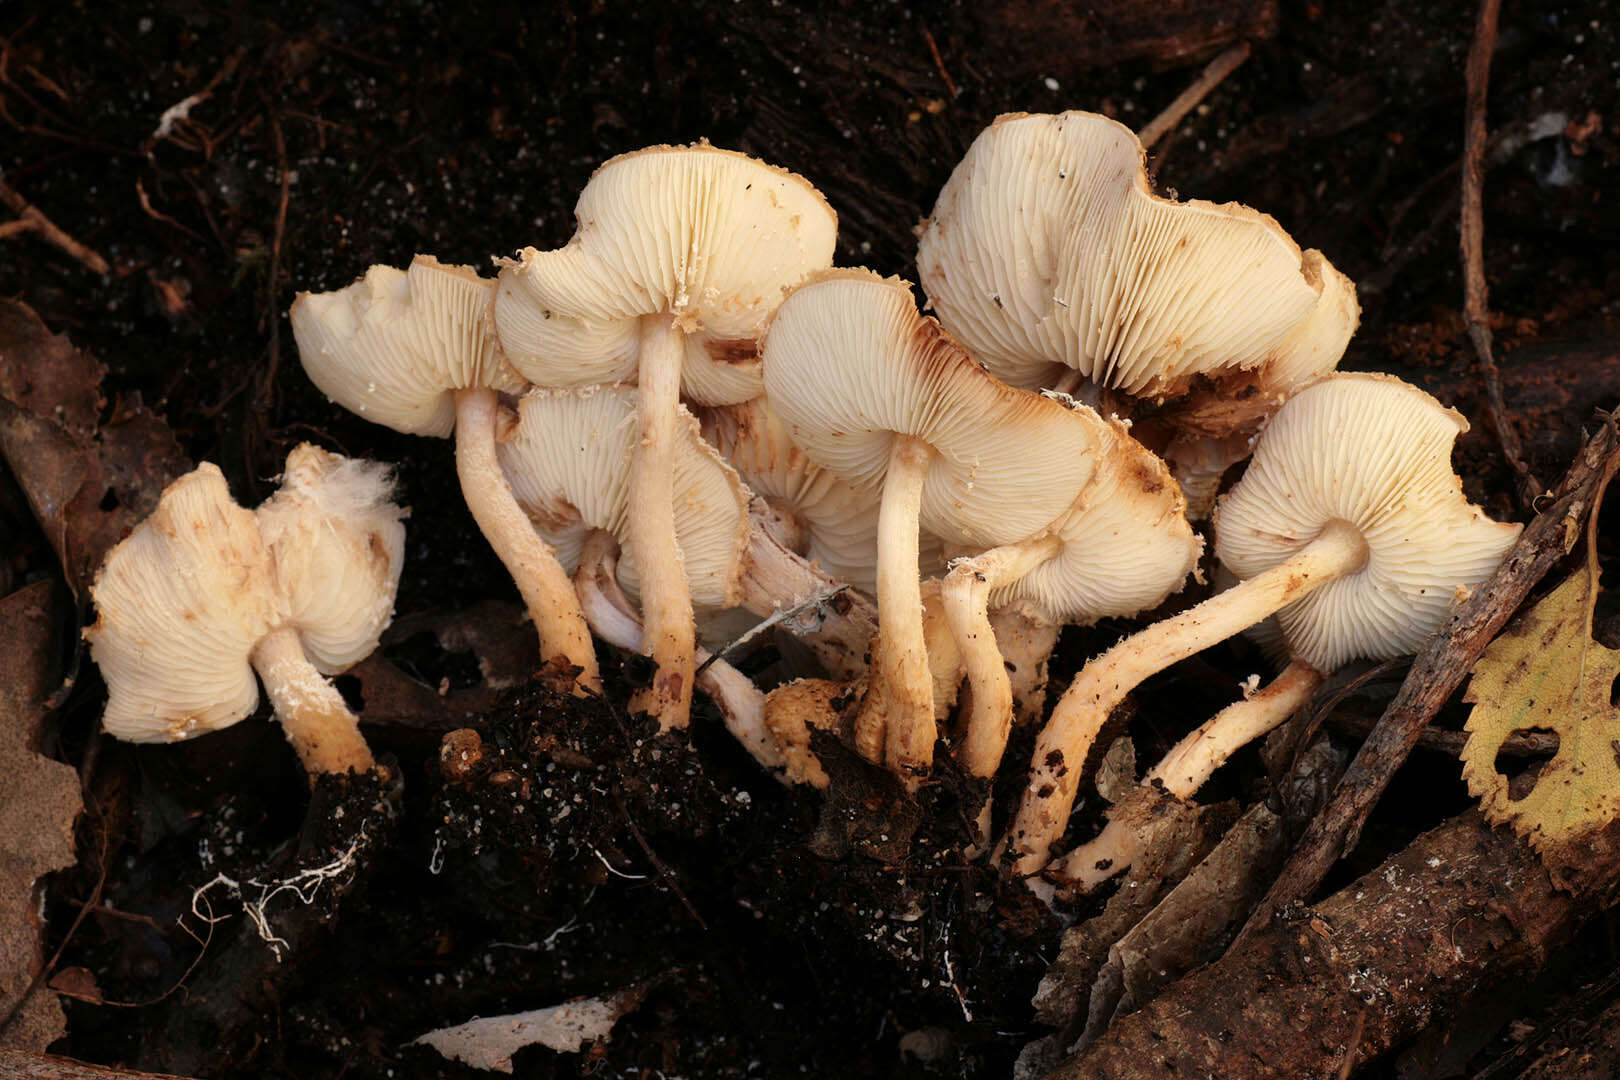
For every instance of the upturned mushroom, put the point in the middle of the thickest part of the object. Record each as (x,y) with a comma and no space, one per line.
(883,397)
(202,594)
(411,349)
(1349,525)
(1048,251)
(680,253)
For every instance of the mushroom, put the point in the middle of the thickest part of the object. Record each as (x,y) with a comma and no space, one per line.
(1349,525)
(883,397)
(680,253)
(411,349)
(1047,248)
(203,593)
(1122,547)
(568,459)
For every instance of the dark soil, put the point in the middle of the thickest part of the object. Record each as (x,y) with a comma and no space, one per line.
(562,849)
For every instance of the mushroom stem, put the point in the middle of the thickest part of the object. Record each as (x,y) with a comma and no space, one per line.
(775,578)
(666,599)
(1061,751)
(612,616)
(966,597)
(320,727)
(1195,758)
(896,720)
(1188,765)
(1025,638)
(540,578)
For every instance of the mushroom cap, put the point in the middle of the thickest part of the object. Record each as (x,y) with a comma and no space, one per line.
(181,603)
(849,363)
(337,541)
(1048,247)
(710,236)
(838,519)
(568,461)
(1126,542)
(1236,401)
(1375,452)
(393,346)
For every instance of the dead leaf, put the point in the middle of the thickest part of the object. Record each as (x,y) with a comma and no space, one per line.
(1546,671)
(87,484)
(78,983)
(489,1042)
(38,804)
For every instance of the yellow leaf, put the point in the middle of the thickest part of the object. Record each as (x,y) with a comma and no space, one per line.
(1547,672)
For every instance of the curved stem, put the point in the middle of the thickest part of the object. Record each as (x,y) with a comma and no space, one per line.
(666,598)
(1060,753)
(612,616)
(320,727)
(1195,758)
(540,578)
(966,597)
(897,713)
(1188,765)
(775,579)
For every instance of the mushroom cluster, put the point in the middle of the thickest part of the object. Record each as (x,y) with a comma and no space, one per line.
(685,413)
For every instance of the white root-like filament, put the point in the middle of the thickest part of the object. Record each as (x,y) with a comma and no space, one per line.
(317,722)
(1188,765)
(540,578)
(666,597)
(896,720)
(965,595)
(1060,753)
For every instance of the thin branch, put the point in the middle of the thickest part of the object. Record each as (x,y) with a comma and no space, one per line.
(31,218)
(1476,295)
(1212,76)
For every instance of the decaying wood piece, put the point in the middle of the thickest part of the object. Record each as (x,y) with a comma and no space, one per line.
(1328,987)
(1436,674)
(17,1065)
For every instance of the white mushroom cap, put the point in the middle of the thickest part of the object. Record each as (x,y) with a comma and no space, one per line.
(568,461)
(1047,246)
(1126,542)
(394,345)
(338,544)
(710,236)
(839,521)
(181,603)
(849,363)
(1375,452)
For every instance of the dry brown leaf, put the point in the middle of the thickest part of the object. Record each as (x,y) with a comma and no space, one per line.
(489,1042)
(38,804)
(87,485)
(1547,672)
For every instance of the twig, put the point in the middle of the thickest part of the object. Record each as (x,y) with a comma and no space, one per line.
(1476,296)
(1212,76)
(939,62)
(267,380)
(658,864)
(30,218)
(1435,674)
